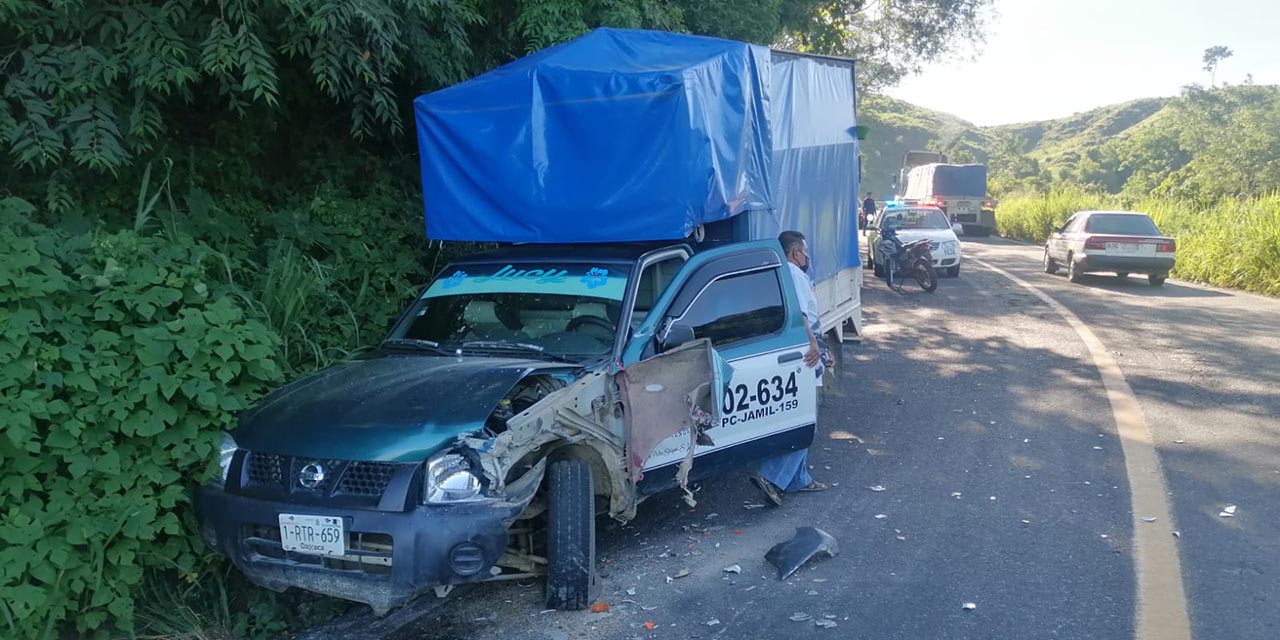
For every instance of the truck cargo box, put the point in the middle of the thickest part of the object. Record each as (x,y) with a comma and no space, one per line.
(619,135)
(947,180)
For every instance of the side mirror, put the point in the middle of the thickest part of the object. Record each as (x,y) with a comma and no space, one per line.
(957,228)
(676,335)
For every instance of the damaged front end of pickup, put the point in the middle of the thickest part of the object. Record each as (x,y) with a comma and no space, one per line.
(317,495)
(609,420)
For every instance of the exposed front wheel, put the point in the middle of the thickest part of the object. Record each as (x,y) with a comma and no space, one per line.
(571,535)
(924,274)
(876,267)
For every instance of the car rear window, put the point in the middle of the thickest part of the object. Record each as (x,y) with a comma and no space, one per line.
(1124,224)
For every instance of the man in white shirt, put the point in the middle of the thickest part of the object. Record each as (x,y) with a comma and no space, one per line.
(789,471)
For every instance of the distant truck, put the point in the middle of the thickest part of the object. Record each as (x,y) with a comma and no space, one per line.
(960,190)
(911,160)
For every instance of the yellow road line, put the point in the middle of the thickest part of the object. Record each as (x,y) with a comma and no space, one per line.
(1161,603)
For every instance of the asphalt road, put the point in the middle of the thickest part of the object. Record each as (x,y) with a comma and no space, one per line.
(980,412)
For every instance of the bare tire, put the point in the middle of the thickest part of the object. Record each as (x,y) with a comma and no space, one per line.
(925,275)
(571,535)
(1050,265)
(1156,281)
(1073,273)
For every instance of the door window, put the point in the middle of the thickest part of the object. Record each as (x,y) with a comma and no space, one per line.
(653,281)
(737,308)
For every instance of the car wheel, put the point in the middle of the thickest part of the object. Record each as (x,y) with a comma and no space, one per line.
(984,232)
(1122,274)
(1073,272)
(1156,280)
(1050,265)
(953,272)
(571,535)
(876,267)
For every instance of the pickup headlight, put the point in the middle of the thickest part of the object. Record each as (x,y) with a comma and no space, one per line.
(226,451)
(450,481)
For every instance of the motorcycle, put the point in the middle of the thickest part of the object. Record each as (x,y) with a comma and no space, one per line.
(910,259)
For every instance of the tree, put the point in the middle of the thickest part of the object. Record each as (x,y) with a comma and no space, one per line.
(890,39)
(1212,56)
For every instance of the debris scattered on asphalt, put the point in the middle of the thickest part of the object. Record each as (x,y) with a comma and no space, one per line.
(955,494)
(712,516)
(649,626)
(681,573)
(546,611)
(902,538)
(811,592)
(968,606)
(881,516)
(668,579)
(749,588)
(808,542)
(599,607)
(876,488)
(713,622)
(993,497)
(1177,534)
(1231,509)
(1148,519)
(800,616)
(631,591)
(825,624)
(819,580)
(1178,441)
(1097,448)
(733,568)
(1104,535)
(1026,522)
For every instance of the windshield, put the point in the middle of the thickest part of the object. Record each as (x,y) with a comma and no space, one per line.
(916,219)
(566,310)
(1122,224)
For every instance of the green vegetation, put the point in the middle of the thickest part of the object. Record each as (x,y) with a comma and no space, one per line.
(201,200)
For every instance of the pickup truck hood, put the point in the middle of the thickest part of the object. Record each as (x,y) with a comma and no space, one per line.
(932,235)
(396,408)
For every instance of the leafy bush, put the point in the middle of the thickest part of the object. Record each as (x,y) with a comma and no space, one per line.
(121,359)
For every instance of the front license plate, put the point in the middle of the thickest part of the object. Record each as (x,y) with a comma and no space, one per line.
(316,535)
(1121,247)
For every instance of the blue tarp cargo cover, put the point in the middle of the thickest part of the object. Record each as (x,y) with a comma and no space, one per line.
(619,135)
(814,172)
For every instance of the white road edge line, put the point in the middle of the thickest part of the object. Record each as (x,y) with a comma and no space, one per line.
(1161,601)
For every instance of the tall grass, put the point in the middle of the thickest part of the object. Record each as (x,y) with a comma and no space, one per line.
(1232,243)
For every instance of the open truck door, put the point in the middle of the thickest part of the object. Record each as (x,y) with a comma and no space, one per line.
(742,299)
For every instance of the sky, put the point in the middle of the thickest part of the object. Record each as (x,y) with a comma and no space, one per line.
(1047,59)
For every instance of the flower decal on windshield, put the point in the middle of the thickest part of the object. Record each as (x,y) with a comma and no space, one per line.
(596,277)
(455,279)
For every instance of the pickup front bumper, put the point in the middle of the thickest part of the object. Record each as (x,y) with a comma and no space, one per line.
(391,556)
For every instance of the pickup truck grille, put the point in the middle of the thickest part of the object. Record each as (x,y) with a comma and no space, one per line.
(341,477)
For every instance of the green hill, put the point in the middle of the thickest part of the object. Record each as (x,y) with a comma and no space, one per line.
(896,127)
